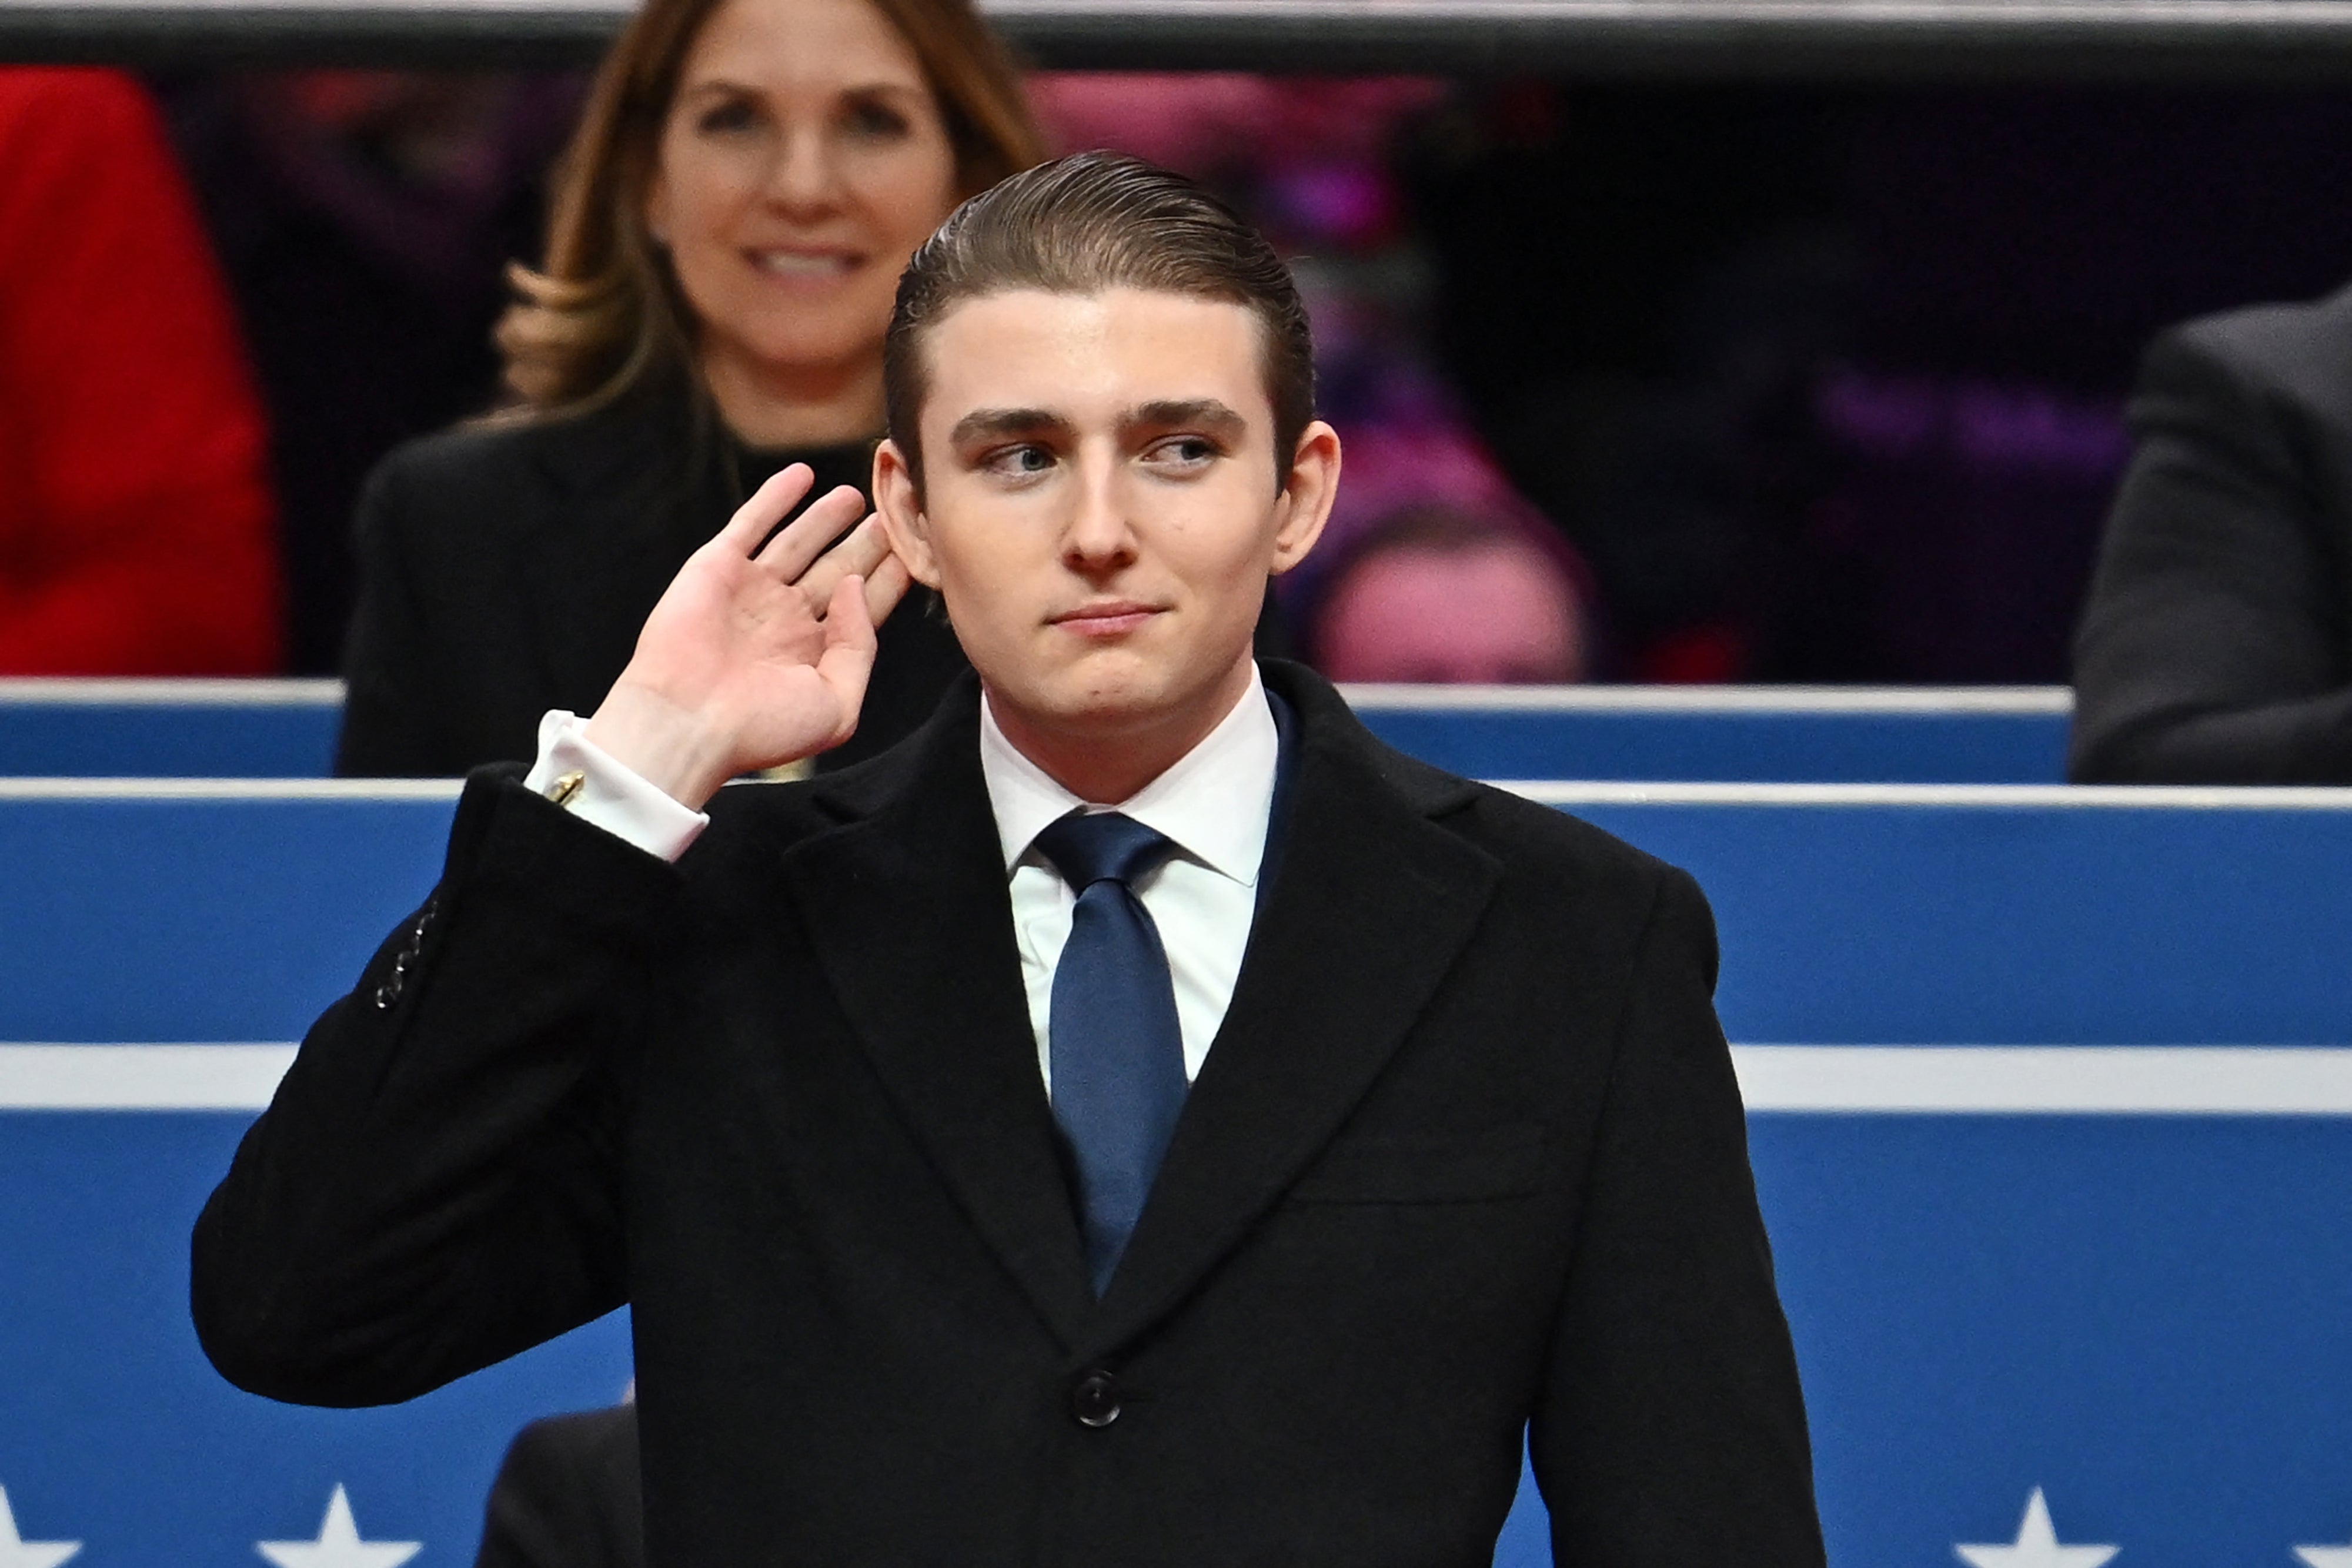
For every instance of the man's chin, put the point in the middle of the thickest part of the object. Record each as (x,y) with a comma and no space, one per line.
(1106,714)
(1086,704)
(1107,693)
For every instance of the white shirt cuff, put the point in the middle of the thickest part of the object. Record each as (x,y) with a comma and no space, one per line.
(611,794)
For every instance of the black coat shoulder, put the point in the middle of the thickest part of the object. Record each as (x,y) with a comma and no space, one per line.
(1495,819)
(2216,643)
(1592,887)
(1588,887)
(504,568)
(2301,350)
(460,499)
(505,473)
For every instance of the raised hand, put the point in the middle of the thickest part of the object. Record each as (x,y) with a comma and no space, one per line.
(758,654)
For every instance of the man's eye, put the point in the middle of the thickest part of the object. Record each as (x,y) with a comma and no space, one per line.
(1016,461)
(1185,451)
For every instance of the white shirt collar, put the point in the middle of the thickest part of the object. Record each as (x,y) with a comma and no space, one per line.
(1214,801)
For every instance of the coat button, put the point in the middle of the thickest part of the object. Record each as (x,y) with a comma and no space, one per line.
(1094,1399)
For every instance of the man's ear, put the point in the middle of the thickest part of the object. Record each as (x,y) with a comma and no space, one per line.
(1305,503)
(901,510)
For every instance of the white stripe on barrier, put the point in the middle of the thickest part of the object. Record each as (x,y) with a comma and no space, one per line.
(2096,1081)
(141,1077)
(105,691)
(1832,1080)
(2004,797)
(1867,701)
(230,788)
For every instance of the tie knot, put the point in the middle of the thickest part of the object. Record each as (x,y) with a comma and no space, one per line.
(1088,848)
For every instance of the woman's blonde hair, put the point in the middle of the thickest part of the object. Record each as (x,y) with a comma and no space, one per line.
(604,314)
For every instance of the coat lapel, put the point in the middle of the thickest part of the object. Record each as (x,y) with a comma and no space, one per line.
(912,919)
(1371,904)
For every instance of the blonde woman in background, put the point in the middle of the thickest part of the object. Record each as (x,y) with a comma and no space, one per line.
(746,182)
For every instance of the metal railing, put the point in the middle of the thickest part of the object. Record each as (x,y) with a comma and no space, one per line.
(1832,40)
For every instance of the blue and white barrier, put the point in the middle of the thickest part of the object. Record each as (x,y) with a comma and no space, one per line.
(1987,735)
(2050,1098)
(1878,735)
(78,728)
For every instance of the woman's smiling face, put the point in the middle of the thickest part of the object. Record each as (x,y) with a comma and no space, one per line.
(803,159)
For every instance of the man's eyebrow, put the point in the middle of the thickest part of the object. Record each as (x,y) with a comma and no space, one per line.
(992,424)
(1199,413)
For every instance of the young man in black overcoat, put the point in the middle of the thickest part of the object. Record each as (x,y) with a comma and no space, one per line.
(1140,1121)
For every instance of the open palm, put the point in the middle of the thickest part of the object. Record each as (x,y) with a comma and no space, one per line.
(758,654)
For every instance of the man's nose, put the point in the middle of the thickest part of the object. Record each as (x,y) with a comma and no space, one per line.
(1100,533)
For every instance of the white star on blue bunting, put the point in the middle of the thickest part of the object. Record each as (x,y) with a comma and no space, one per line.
(338,1544)
(2036,1545)
(15,1552)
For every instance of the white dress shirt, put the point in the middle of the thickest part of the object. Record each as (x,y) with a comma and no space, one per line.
(1214,804)
(610,793)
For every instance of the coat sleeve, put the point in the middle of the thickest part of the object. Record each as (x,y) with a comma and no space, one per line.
(1670,1428)
(436,1184)
(2210,649)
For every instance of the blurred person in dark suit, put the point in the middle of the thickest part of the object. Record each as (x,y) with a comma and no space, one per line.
(2216,647)
(748,179)
(567,1495)
(134,503)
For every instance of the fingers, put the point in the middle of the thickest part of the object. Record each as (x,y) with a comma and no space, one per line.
(886,585)
(800,542)
(848,656)
(866,553)
(768,506)
(865,549)
(846,624)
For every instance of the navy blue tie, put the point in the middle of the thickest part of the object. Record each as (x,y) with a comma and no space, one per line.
(1116,1052)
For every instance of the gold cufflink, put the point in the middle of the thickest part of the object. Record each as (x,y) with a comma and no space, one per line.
(565,790)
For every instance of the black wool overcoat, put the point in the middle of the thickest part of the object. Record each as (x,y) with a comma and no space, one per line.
(1467,1152)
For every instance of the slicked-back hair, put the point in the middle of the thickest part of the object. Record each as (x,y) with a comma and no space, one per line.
(1082,225)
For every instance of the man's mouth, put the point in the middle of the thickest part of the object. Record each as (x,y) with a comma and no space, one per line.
(1106,618)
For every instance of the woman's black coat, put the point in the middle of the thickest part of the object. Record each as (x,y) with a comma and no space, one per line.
(506,569)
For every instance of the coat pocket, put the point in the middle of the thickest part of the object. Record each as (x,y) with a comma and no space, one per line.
(1507,1162)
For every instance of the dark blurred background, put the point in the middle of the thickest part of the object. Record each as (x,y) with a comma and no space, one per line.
(1815,384)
